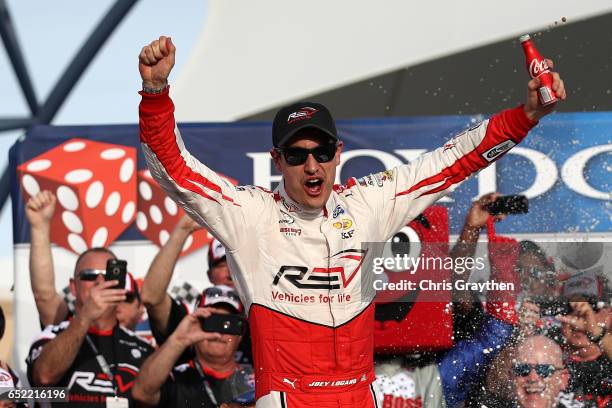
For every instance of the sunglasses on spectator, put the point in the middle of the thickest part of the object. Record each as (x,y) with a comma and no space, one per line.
(217,292)
(91,274)
(542,370)
(296,156)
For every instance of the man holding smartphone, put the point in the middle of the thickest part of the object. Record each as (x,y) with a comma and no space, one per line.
(214,330)
(90,354)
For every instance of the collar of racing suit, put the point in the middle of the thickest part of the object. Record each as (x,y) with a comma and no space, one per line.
(280,194)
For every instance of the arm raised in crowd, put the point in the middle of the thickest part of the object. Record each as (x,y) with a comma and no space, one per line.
(155,284)
(465,247)
(52,308)
(155,370)
(57,356)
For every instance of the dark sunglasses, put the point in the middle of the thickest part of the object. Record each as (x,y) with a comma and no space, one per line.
(90,274)
(542,370)
(296,156)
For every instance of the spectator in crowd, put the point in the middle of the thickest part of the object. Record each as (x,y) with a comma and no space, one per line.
(51,305)
(206,380)
(587,345)
(536,378)
(91,353)
(291,258)
(164,312)
(8,378)
(539,280)
(243,389)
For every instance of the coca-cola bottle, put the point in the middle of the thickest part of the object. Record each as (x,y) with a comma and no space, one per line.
(537,67)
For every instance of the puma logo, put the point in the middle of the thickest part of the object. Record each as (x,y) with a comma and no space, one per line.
(291,383)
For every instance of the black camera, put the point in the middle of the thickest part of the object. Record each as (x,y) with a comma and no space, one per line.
(224,323)
(510,204)
(116,269)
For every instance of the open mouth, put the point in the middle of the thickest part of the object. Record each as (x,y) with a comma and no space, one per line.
(534,389)
(313,186)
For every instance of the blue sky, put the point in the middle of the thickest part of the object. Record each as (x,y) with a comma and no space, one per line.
(50,33)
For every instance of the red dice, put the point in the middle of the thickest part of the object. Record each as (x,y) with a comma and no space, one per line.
(95,185)
(158,214)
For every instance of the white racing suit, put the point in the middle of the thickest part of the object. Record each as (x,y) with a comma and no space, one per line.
(299,272)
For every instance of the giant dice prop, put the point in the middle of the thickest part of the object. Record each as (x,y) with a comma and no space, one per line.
(158,214)
(95,185)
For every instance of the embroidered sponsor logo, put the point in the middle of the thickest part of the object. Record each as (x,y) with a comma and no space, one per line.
(291,232)
(304,113)
(291,383)
(327,278)
(337,211)
(344,224)
(286,218)
(498,150)
(348,234)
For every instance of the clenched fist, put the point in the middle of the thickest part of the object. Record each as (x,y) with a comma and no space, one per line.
(155,62)
(40,208)
(533,109)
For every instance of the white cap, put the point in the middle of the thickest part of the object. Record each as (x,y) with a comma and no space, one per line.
(524,38)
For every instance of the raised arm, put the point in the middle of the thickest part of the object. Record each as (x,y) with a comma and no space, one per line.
(210,199)
(402,193)
(155,370)
(465,247)
(52,308)
(155,285)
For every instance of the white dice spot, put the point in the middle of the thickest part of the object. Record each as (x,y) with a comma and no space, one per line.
(145,190)
(112,203)
(67,198)
(77,243)
(94,194)
(74,146)
(72,222)
(170,206)
(99,237)
(163,237)
(156,215)
(147,173)
(112,154)
(188,243)
(39,165)
(126,170)
(141,221)
(78,176)
(128,212)
(30,185)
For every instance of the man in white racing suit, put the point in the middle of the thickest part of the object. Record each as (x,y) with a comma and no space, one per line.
(310,303)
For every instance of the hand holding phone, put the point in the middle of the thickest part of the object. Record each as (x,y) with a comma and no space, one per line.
(116,269)
(224,323)
(509,204)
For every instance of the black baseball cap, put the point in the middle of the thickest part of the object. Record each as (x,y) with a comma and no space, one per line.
(301,115)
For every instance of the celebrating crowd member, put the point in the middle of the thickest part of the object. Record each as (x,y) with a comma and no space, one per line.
(310,305)
(155,284)
(165,313)
(584,331)
(536,378)
(207,379)
(51,306)
(90,354)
